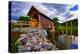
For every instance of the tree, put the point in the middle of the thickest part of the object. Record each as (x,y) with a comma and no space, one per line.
(55,20)
(24,18)
(58,27)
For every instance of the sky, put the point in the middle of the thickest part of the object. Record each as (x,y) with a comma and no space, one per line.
(64,12)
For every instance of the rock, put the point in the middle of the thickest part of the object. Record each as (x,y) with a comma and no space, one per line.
(34,41)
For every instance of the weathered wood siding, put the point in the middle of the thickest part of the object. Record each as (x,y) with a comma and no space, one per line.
(42,19)
(45,22)
(34,23)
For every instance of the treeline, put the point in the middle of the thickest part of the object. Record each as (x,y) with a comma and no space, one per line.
(74,23)
(74,26)
(61,27)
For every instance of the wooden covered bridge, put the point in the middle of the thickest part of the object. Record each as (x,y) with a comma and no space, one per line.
(39,20)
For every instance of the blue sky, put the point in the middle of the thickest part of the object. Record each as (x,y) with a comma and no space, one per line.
(64,12)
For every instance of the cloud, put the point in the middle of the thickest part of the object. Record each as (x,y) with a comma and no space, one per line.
(44,9)
(68,14)
(62,11)
(19,9)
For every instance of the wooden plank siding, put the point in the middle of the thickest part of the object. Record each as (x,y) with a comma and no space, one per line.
(45,22)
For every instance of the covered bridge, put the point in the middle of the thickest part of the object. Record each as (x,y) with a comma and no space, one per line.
(40,19)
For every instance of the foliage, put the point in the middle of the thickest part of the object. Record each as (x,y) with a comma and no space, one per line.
(55,20)
(74,26)
(58,26)
(24,18)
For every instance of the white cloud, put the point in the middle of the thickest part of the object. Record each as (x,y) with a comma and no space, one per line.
(14,21)
(44,9)
(21,9)
(73,15)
